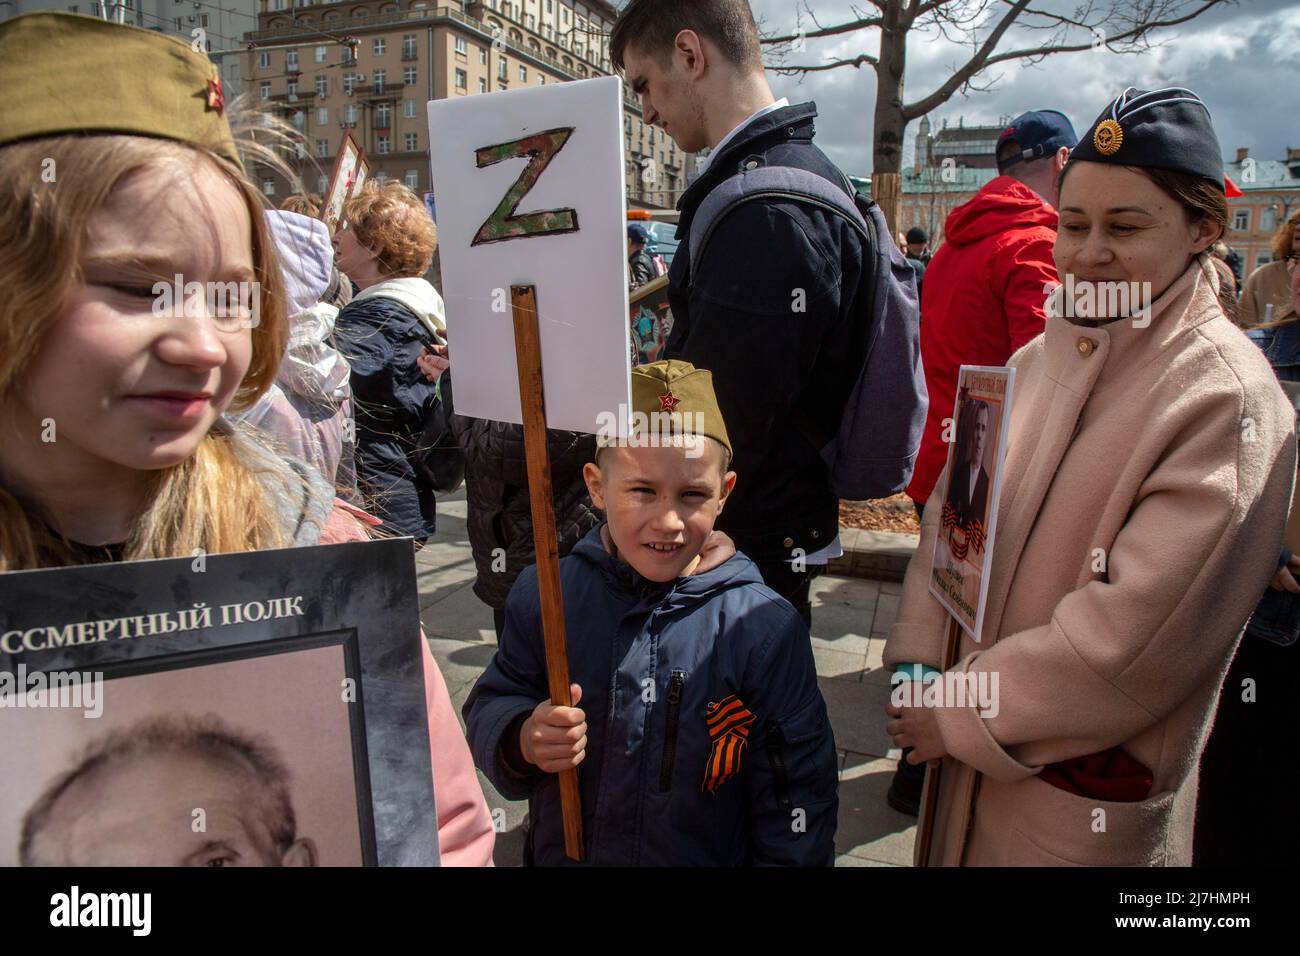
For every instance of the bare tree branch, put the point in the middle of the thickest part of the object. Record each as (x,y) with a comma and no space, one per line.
(857,61)
(973,65)
(842,28)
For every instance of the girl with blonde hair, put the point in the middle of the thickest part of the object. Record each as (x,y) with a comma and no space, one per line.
(143,301)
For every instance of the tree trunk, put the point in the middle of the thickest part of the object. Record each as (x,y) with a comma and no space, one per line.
(887,157)
(887,191)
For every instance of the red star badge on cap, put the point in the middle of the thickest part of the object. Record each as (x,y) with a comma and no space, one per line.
(668,402)
(216,98)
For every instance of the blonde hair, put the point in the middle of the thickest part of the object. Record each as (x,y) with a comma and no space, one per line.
(1285,235)
(392,220)
(303,205)
(213,501)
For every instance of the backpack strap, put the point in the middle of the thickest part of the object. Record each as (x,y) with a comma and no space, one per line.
(756,181)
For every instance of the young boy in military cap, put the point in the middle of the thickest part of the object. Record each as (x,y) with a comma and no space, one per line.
(703,738)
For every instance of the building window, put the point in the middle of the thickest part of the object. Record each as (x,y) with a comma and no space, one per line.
(383,116)
(409,76)
(1267,219)
(482,56)
(462,79)
(268,186)
(322,115)
(482,85)
(381,144)
(350,114)
(503,69)
(550,6)
(349,83)
(203,20)
(381,177)
(322,86)
(263,59)
(321,53)
(381,77)
(322,183)
(292,89)
(412,179)
(266,91)
(278,4)
(291,61)
(1241,220)
(322,148)
(523,73)
(379,47)
(541,79)
(460,45)
(299,120)
(1263,259)
(408,47)
(409,109)
(412,142)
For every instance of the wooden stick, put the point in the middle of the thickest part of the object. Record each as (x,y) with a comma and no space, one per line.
(528,355)
(930,794)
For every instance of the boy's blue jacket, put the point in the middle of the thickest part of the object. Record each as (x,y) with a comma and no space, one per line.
(650,658)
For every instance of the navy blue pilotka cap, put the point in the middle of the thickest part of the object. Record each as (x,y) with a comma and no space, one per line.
(1160,129)
(1038,133)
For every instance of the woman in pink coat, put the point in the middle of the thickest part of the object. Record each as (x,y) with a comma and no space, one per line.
(1149,469)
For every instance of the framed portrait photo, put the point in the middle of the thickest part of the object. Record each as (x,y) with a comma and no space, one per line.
(351,170)
(253,709)
(976,452)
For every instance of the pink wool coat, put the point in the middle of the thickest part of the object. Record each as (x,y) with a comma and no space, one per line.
(1171,448)
(465,832)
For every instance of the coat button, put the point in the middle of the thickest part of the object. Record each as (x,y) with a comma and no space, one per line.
(1086,346)
(752,164)
(788,543)
(815,535)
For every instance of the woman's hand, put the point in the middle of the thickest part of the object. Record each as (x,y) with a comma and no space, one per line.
(718,550)
(917,728)
(433,361)
(1285,579)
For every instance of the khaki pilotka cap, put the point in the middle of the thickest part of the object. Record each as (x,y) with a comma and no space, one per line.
(673,386)
(65,73)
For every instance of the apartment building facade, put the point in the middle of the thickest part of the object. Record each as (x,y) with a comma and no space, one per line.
(1272,194)
(217,25)
(369,67)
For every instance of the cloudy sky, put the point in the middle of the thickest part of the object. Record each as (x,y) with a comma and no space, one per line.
(1242,59)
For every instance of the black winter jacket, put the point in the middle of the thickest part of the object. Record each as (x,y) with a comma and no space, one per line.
(777,313)
(381,339)
(496,489)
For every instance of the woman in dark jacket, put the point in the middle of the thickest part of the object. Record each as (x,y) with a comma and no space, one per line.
(385,242)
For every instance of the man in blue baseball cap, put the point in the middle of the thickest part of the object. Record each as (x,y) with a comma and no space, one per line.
(641,267)
(984,294)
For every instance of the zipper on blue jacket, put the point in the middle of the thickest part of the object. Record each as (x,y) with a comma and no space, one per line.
(776,757)
(675,686)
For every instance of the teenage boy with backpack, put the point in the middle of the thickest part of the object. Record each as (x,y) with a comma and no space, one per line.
(781,283)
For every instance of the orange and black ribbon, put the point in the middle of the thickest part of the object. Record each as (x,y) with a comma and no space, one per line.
(729,721)
(962,538)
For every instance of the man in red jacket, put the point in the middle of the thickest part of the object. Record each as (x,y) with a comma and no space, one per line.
(983,299)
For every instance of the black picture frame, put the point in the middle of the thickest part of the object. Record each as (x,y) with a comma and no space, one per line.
(360,596)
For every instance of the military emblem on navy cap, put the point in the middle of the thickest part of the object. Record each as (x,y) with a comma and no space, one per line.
(1038,133)
(1158,129)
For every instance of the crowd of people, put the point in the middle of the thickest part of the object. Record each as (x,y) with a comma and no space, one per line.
(1156,436)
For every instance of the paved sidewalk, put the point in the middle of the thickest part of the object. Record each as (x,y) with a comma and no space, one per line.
(850,619)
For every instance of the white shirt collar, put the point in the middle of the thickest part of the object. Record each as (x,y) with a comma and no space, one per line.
(782,103)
